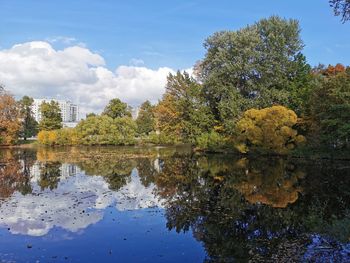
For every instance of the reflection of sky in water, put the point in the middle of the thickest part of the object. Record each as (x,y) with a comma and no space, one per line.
(77,202)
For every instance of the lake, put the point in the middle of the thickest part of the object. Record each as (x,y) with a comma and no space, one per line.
(154,204)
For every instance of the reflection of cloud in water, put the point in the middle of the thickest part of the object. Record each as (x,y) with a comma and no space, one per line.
(77,203)
(135,196)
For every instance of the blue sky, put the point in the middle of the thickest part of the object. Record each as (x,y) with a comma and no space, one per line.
(92,51)
(165,33)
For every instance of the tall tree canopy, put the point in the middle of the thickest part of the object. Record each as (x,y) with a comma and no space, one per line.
(29,124)
(330,107)
(341,8)
(51,118)
(182,113)
(145,120)
(257,66)
(117,109)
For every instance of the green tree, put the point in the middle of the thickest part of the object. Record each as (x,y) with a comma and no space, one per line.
(145,120)
(257,66)
(91,114)
(330,107)
(104,130)
(182,113)
(29,125)
(51,118)
(117,109)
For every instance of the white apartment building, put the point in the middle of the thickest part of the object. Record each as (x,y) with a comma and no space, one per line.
(69,111)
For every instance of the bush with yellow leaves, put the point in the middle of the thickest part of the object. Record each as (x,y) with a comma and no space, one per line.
(48,137)
(66,136)
(269,129)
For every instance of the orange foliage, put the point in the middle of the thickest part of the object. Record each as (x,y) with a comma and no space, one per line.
(168,119)
(334,70)
(9,119)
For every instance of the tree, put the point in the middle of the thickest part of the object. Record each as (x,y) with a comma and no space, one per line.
(145,120)
(258,66)
(9,118)
(104,130)
(29,124)
(341,8)
(51,118)
(91,114)
(270,129)
(117,109)
(330,107)
(182,113)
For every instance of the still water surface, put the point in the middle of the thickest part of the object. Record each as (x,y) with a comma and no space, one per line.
(170,205)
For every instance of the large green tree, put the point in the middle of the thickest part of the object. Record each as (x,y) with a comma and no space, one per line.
(117,109)
(51,118)
(145,120)
(182,113)
(29,125)
(257,66)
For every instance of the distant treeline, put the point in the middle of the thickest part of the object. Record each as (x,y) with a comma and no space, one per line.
(253,91)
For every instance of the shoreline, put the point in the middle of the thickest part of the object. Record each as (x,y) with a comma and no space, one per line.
(308,154)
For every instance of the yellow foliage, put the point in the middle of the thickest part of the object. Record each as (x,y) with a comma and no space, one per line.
(168,118)
(241,147)
(270,185)
(270,129)
(52,137)
(47,137)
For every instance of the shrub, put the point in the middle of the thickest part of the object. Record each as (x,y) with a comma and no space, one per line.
(211,141)
(269,129)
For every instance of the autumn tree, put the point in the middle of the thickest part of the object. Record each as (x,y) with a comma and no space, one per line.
(182,113)
(257,66)
(341,8)
(330,108)
(9,118)
(51,118)
(117,109)
(145,120)
(270,129)
(29,124)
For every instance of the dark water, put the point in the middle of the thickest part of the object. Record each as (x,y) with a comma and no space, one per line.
(170,205)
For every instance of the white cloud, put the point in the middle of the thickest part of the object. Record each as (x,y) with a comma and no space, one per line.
(77,202)
(76,73)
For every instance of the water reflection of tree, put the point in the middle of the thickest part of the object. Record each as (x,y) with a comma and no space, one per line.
(327,201)
(272,182)
(116,172)
(147,170)
(115,164)
(15,172)
(238,208)
(50,174)
(234,207)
